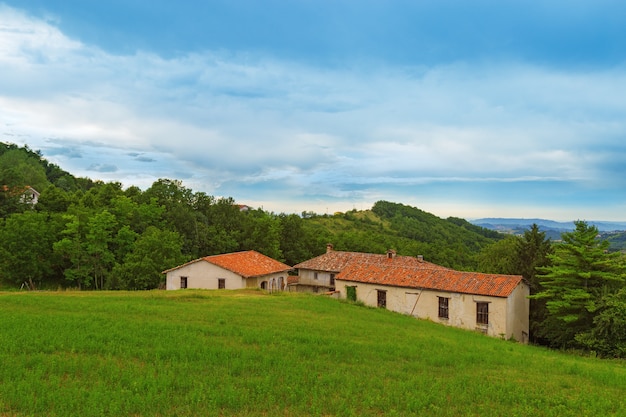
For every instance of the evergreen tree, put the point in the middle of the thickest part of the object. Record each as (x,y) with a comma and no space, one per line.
(581,273)
(532,252)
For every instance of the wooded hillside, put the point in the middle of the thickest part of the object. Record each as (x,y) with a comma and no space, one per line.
(90,234)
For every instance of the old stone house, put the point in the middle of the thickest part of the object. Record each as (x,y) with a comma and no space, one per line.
(496,305)
(248,269)
(493,304)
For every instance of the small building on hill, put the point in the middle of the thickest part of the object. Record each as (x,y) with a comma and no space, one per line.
(25,195)
(248,269)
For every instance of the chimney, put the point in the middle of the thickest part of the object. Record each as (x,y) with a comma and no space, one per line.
(329,247)
(420,258)
(391,254)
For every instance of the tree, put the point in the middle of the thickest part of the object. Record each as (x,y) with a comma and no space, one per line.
(261,232)
(573,285)
(99,239)
(154,251)
(22,167)
(54,200)
(293,239)
(26,248)
(607,336)
(532,253)
(71,249)
(500,257)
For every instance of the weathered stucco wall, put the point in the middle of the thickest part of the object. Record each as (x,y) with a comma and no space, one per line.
(273,282)
(203,275)
(307,277)
(518,314)
(508,317)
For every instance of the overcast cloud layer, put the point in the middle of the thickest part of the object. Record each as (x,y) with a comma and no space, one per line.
(329,106)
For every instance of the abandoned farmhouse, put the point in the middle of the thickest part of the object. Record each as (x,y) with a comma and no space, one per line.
(494,304)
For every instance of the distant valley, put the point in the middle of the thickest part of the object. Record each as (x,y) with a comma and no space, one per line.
(614,232)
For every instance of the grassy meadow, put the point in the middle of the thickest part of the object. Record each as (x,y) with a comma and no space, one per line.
(248,353)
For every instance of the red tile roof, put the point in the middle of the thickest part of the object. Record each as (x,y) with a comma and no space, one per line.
(440,279)
(336,261)
(247,264)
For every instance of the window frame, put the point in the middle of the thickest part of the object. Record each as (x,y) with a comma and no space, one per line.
(221,283)
(381,298)
(444,307)
(184,282)
(482,313)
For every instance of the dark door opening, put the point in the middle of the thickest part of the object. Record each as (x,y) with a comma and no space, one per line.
(382,298)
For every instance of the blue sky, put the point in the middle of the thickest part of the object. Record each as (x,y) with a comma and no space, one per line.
(467,109)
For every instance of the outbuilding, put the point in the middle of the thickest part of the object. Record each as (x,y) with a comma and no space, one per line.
(248,269)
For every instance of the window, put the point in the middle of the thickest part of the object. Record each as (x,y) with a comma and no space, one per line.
(183,282)
(315,275)
(351,293)
(332,279)
(382,298)
(482,313)
(443,307)
(221,283)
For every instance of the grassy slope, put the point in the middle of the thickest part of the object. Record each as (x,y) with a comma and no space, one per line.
(246,353)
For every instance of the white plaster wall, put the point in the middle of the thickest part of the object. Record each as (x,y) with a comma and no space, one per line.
(277,278)
(424,304)
(519,311)
(307,277)
(203,275)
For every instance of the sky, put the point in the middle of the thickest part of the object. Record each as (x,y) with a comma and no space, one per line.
(460,108)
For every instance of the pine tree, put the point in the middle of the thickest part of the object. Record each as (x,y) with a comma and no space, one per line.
(532,251)
(581,273)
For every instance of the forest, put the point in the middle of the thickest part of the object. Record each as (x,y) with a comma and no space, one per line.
(93,235)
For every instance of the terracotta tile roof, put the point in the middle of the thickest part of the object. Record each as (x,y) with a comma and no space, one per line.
(336,261)
(247,264)
(435,279)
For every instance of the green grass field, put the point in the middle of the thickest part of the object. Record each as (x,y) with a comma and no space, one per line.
(223,353)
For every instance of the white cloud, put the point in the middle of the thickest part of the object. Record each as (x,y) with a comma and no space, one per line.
(216,119)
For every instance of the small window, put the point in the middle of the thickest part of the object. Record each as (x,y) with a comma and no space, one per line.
(315,275)
(443,307)
(221,283)
(382,298)
(332,280)
(482,313)
(183,282)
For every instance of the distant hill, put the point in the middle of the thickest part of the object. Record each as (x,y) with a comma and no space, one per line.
(451,242)
(553,229)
